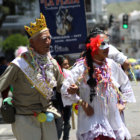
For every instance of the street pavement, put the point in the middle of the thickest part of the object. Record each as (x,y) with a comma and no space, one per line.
(132,113)
(132,118)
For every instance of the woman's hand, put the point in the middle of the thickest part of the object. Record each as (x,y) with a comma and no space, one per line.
(87,108)
(73,89)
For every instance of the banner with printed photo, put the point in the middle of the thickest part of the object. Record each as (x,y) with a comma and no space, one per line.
(67,23)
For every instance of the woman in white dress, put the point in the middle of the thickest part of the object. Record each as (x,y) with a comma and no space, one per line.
(93,84)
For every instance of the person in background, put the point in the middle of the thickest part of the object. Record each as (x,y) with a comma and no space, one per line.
(98,78)
(118,57)
(33,77)
(63,123)
(113,53)
(3,66)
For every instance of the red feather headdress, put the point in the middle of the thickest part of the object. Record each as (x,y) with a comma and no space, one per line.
(94,44)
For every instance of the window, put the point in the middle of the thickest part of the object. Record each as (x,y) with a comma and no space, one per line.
(11,6)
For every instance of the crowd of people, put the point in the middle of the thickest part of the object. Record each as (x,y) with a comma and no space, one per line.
(44,89)
(135,66)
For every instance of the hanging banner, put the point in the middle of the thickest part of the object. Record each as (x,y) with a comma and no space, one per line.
(67,24)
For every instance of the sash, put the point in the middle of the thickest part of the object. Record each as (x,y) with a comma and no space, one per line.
(43,87)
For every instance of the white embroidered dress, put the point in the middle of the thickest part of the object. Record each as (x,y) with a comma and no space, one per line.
(106,119)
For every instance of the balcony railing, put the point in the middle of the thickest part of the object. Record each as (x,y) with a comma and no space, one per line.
(11,19)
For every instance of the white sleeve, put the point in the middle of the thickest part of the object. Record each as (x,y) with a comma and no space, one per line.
(121,78)
(71,78)
(128,95)
(116,55)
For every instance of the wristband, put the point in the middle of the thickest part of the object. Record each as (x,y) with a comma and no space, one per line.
(80,102)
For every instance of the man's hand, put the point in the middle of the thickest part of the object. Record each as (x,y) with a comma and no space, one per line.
(126,65)
(73,89)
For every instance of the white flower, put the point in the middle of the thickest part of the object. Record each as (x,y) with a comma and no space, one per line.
(39,76)
(51,66)
(53,83)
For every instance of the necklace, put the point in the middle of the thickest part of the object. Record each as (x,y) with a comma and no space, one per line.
(44,68)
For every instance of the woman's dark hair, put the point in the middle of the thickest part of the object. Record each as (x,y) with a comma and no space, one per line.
(60,59)
(91,81)
(93,33)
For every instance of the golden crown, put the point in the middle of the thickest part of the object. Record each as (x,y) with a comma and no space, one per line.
(36,27)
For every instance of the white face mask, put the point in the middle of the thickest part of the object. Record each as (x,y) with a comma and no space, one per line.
(104,46)
(105,43)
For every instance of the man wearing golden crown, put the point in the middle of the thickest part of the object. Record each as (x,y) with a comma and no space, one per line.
(33,76)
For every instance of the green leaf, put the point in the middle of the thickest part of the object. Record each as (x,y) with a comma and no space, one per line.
(12,42)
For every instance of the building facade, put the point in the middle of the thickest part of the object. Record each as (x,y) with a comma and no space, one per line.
(15,21)
(95,14)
